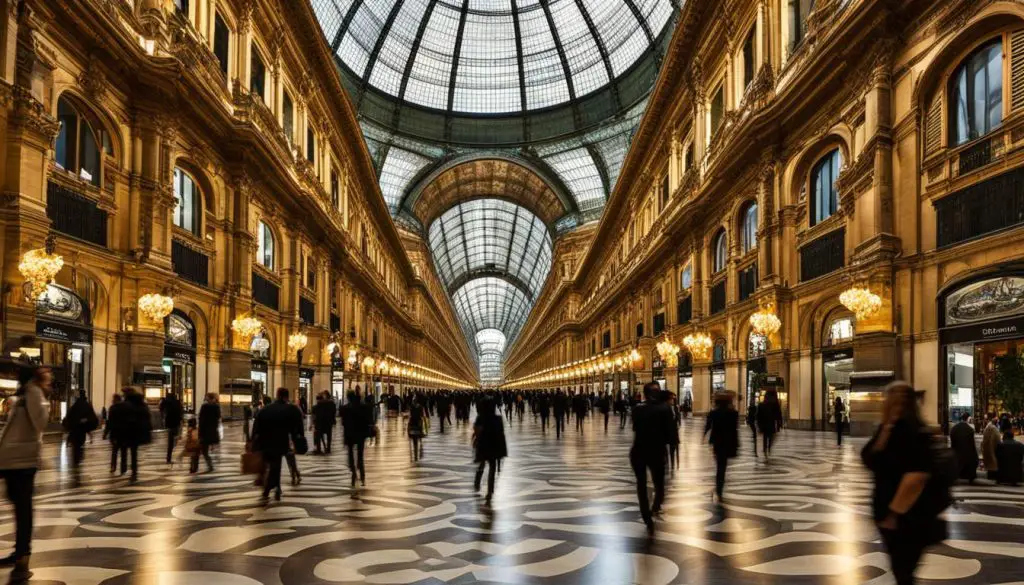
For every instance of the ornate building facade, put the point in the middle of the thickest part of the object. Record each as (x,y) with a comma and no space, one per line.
(203,150)
(793,151)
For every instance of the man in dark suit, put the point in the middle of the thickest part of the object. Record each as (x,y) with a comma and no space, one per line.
(961,440)
(173,412)
(561,406)
(653,428)
(722,423)
(272,431)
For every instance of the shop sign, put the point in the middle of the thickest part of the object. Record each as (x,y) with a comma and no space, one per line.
(62,332)
(149,378)
(772,381)
(180,354)
(992,330)
(259,366)
(306,373)
(837,354)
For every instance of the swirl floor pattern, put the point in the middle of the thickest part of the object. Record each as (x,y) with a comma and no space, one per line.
(564,513)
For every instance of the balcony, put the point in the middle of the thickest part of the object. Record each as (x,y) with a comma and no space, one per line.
(748,282)
(982,208)
(823,255)
(265,292)
(75,215)
(190,264)
(718,296)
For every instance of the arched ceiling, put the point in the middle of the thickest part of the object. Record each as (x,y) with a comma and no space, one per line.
(491,303)
(488,178)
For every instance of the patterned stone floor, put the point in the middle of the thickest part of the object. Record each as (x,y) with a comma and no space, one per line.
(564,513)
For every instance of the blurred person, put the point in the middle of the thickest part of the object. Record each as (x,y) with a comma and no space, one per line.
(769,421)
(173,412)
(989,439)
(961,439)
(273,430)
(417,427)
(839,414)
(209,427)
(489,445)
(1010,454)
(134,429)
(653,428)
(356,422)
(906,502)
(110,428)
(751,421)
(79,421)
(722,429)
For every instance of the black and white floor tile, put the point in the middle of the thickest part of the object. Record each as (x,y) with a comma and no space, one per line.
(564,512)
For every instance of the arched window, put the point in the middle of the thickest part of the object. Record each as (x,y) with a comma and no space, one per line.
(976,94)
(187,202)
(840,329)
(265,246)
(686,278)
(720,249)
(718,353)
(78,144)
(825,200)
(748,236)
(757,345)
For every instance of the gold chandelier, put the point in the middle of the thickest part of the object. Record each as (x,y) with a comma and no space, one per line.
(155,306)
(765,321)
(247,326)
(297,341)
(634,358)
(861,301)
(699,345)
(668,352)
(40,266)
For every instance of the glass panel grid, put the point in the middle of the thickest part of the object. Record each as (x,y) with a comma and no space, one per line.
(398,171)
(579,172)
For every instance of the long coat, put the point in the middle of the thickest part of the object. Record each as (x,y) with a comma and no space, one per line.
(209,423)
(961,439)
(490,438)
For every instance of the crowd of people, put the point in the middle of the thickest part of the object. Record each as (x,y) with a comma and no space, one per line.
(913,469)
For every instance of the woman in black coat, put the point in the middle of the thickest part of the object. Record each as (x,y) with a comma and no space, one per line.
(133,427)
(209,427)
(356,421)
(490,445)
(723,427)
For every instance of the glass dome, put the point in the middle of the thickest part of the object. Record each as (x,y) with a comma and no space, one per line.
(491,57)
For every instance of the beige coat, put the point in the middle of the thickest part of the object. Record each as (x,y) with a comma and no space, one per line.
(989,439)
(22,436)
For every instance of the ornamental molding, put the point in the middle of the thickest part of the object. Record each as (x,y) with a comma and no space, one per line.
(93,81)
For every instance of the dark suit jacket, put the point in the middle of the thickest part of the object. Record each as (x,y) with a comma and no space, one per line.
(274,427)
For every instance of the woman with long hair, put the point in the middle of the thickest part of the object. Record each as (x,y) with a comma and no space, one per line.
(905,503)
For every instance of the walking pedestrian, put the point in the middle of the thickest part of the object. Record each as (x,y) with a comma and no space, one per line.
(209,427)
(723,435)
(622,407)
(544,410)
(110,430)
(173,413)
(839,414)
(751,421)
(769,420)
(489,443)
(604,405)
(20,443)
(135,430)
(989,439)
(246,419)
(274,428)
(356,421)
(908,497)
(80,420)
(580,407)
(417,427)
(561,408)
(961,440)
(653,428)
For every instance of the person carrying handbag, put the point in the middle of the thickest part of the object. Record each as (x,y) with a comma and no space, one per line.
(20,444)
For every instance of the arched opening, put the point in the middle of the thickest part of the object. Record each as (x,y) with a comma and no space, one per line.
(64,330)
(179,361)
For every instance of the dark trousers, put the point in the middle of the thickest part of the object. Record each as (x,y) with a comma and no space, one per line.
(721,463)
(641,463)
(543,421)
(753,437)
(293,466)
(355,461)
(673,455)
(839,433)
(245,430)
(416,446)
(172,439)
(622,419)
(205,450)
(492,468)
(77,454)
(579,421)
(272,466)
(606,422)
(134,451)
(318,438)
(767,440)
(113,456)
(559,424)
(328,438)
(20,486)
(905,552)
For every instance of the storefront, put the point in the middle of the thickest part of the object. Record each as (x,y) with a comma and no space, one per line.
(658,369)
(982,339)
(836,368)
(64,329)
(685,377)
(717,369)
(260,371)
(338,378)
(179,361)
(306,387)
(757,364)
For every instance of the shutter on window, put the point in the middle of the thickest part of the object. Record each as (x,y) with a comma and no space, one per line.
(933,126)
(1017,70)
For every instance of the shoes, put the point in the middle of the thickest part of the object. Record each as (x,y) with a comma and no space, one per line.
(277,495)
(362,482)
(10,560)
(650,527)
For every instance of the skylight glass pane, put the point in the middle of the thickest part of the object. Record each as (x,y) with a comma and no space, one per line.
(577,169)
(542,68)
(581,51)
(488,75)
(626,54)
(366,26)
(329,15)
(660,13)
(389,68)
(399,169)
(431,70)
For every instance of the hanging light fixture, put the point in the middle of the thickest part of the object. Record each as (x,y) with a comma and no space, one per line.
(765,321)
(40,266)
(699,345)
(634,358)
(247,326)
(155,306)
(861,301)
(297,341)
(668,352)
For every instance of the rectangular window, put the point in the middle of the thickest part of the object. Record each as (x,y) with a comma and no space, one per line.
(718,297)
(258,75)
(221,40)
(335,190)
(606,339)
(684,311)
(823,255)
(659,324)
(688,158)
(288,117)
(798,12)
(310,144)
(717,109)
(748,58)
(640,329)
(664,191)
(686,278)
(748,282)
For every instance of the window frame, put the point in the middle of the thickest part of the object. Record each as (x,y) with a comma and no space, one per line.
(714,125)
(814,216)
(97,140)
(719,252)
(179,176)
(749,57)
(263,235)
(288,116)
(221,24)
(748,232)
(255,57)
(963,67)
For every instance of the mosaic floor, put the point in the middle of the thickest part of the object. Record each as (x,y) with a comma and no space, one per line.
(564,512)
